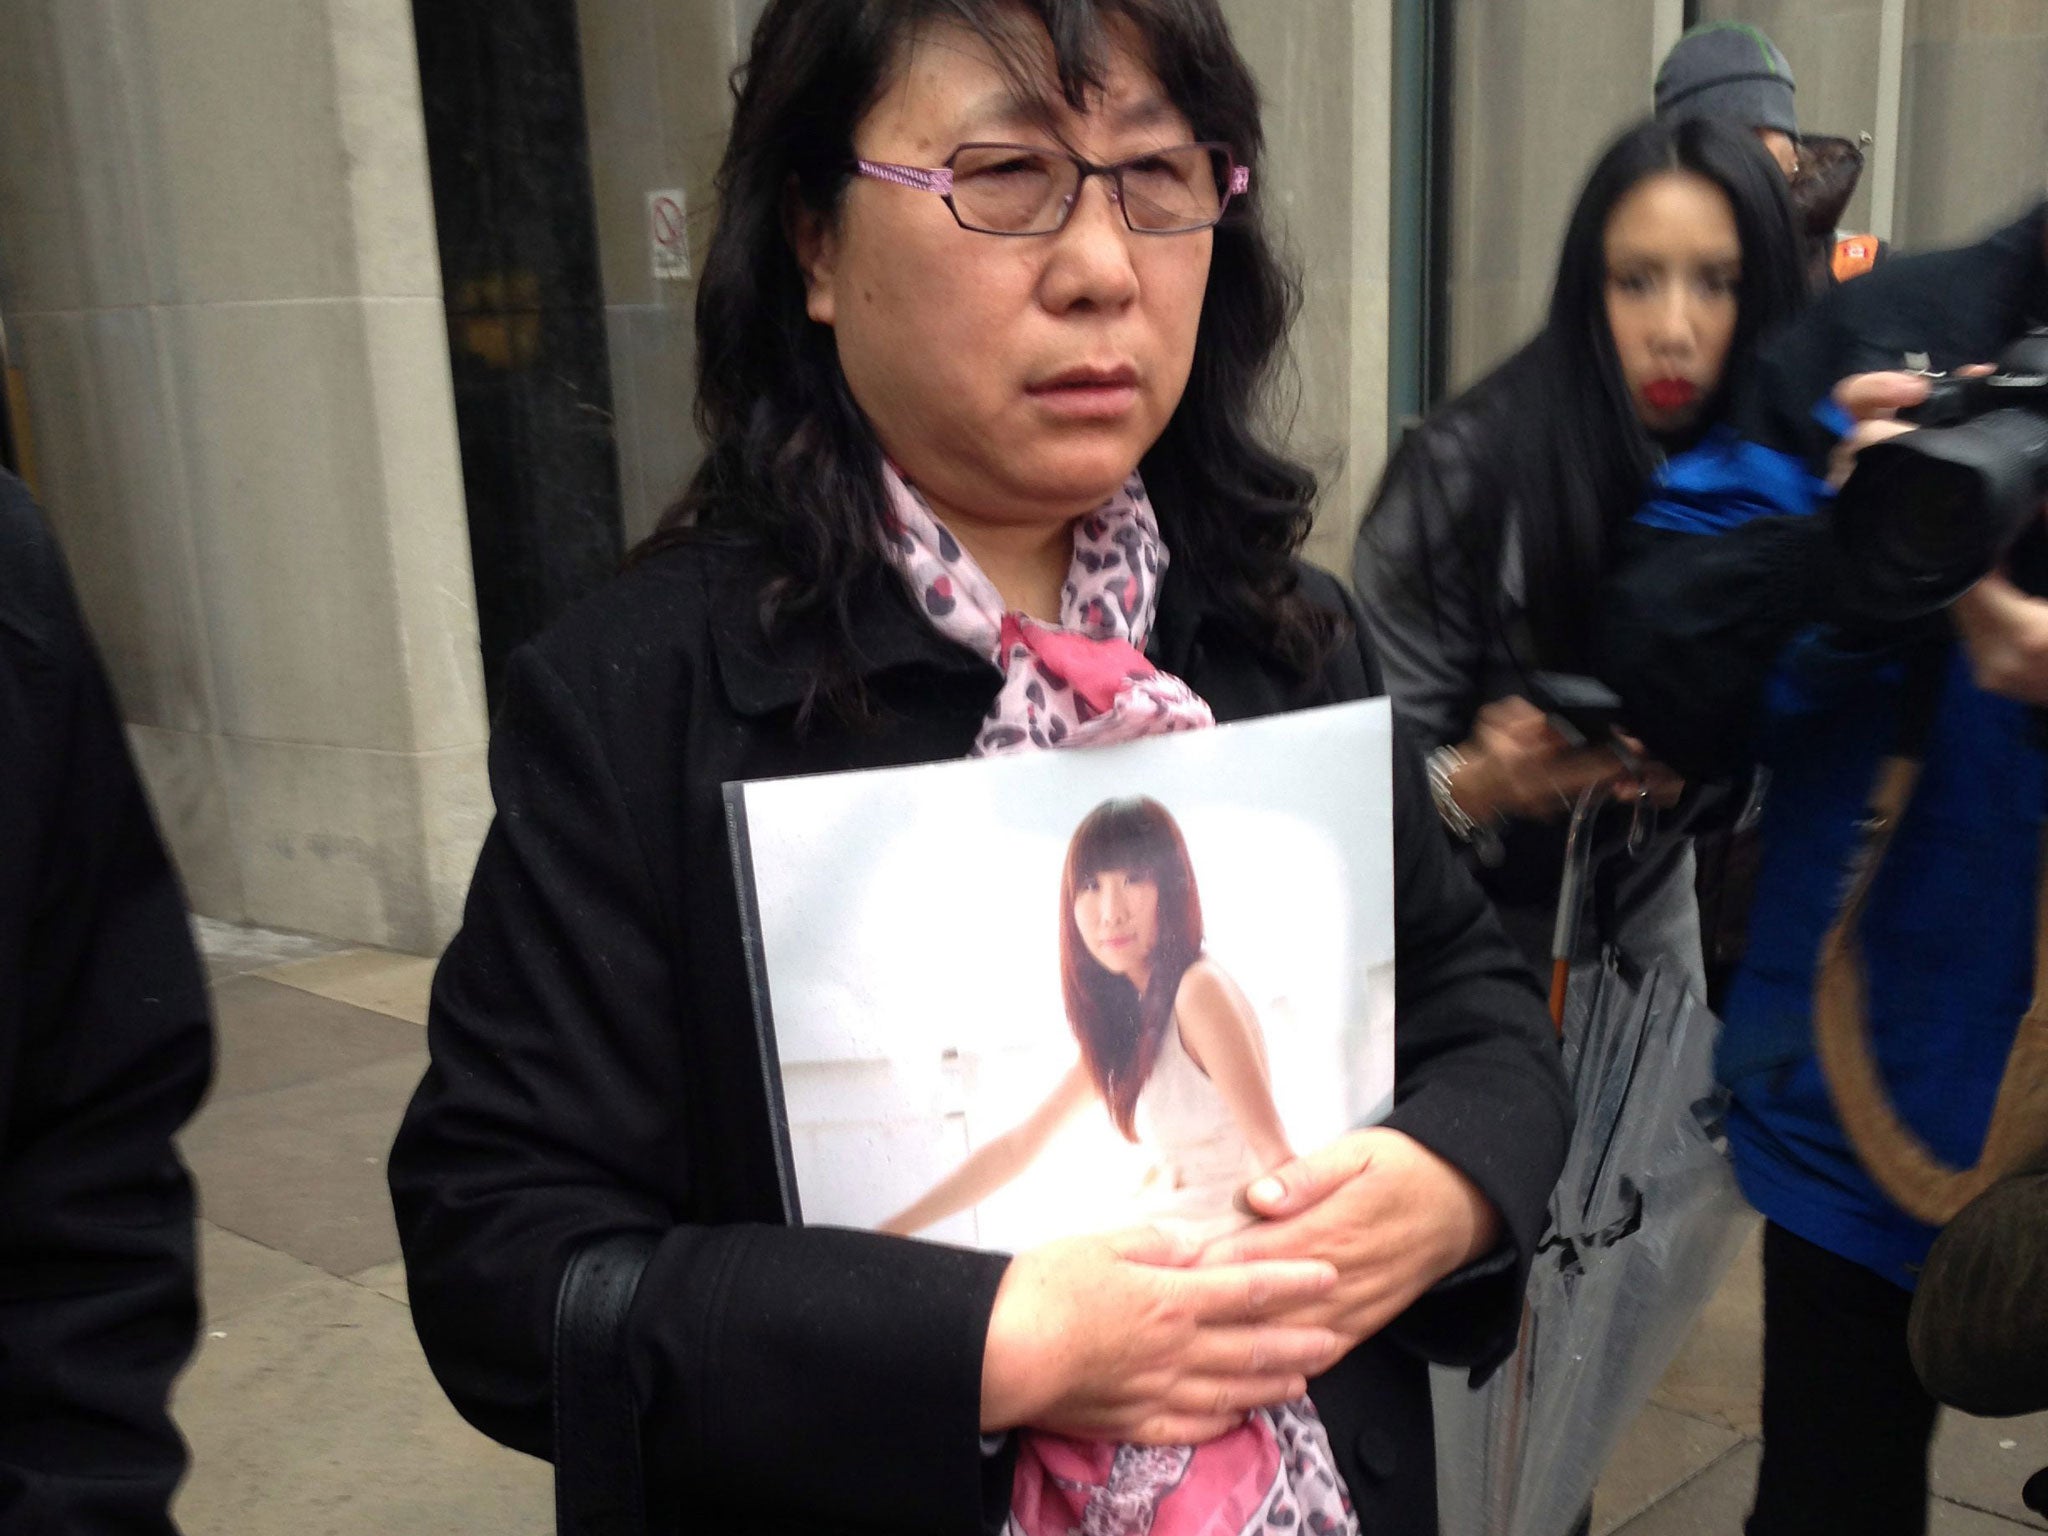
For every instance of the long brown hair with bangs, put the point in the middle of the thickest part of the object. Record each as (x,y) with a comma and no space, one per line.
(1119,1030)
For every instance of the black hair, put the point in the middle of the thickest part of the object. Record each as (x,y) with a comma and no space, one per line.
(1550,439)
(792,467)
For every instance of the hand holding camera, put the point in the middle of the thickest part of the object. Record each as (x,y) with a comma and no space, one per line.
(2006,633)
(1922,516)
(1873,402)
(1942,481)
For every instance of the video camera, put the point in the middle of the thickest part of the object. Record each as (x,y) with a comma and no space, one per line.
(1926,514)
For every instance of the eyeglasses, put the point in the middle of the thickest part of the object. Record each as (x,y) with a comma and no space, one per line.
(1020,189)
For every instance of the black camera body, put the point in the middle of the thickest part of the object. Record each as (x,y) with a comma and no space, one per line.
(1927,514)
(2021,383)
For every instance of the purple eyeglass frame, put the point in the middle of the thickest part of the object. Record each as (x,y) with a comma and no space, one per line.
(939,179)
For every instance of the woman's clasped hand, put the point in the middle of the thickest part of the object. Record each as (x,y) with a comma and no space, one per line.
(1132,1337)
(1392,1216)
(1154,1338)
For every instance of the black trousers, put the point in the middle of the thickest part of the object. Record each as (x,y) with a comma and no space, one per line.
(1846,1423)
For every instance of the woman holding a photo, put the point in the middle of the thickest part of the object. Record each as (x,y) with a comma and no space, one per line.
(982,334)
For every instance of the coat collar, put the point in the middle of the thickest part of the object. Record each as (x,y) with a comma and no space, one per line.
(763,675)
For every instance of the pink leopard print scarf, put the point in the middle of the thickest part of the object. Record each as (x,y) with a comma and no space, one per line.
(1086,682)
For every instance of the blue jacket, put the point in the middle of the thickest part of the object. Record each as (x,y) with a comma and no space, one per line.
(1948,938)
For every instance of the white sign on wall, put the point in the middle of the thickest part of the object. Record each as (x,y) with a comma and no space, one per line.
(668,234)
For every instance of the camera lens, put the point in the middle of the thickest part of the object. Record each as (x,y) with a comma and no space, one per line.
(1931,526)
(1927,514)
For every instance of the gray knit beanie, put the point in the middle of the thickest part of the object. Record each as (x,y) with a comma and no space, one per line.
(1729,70)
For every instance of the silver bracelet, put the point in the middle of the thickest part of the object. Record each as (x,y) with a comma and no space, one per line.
(1441,765)
(1482,836)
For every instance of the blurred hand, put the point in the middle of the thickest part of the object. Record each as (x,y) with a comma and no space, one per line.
(1663,786)
(1517,764)
(2004,630)
(1389,1214)
(1120,1338)
(1873,401)
(1881,396)
(2005,633)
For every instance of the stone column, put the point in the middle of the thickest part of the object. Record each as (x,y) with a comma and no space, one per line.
(1974,139)
(217,264)
(1541,88)
(1324,67)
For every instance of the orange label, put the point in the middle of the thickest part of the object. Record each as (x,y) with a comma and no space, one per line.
(1854,256)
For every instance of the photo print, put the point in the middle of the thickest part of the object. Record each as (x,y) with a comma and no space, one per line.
(1011,999)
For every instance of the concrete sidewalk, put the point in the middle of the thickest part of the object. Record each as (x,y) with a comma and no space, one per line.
(311,1410)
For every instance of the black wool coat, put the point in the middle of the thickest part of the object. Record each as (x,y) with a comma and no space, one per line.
(105,1050)
(595,1070)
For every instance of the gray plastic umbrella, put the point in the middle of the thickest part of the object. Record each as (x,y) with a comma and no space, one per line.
(1644,1222)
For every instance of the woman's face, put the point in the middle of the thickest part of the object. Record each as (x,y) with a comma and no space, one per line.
(1674,268)
(1016,380)
(1117,913)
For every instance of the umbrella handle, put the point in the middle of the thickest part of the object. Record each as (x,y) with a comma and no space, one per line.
(1578,858)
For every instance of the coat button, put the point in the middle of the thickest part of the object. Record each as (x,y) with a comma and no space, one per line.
(1377,1453)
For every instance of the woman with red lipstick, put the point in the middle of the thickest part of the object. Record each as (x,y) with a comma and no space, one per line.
(1169,1047)
(982,332)
(1487,540)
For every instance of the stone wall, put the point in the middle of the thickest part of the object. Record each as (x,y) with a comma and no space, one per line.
(218,272)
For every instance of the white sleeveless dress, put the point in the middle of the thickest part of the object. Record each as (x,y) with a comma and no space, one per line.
(1272,1474)
(1200,1158)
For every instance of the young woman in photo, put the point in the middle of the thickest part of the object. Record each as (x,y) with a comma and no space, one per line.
(1169,1047)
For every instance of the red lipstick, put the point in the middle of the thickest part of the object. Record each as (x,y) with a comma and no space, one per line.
(1670,394)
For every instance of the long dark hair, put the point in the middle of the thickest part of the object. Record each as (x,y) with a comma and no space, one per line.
(791,464)
(1550,439)
(1119,1030)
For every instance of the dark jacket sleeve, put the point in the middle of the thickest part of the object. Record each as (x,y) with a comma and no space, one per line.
(1692,625)
(1731,557)
(831,1375)
(1420,596)
(1477,1077)
(105,1051)
(1435,588)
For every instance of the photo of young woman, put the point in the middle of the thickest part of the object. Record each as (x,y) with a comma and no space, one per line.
(1168,1045)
